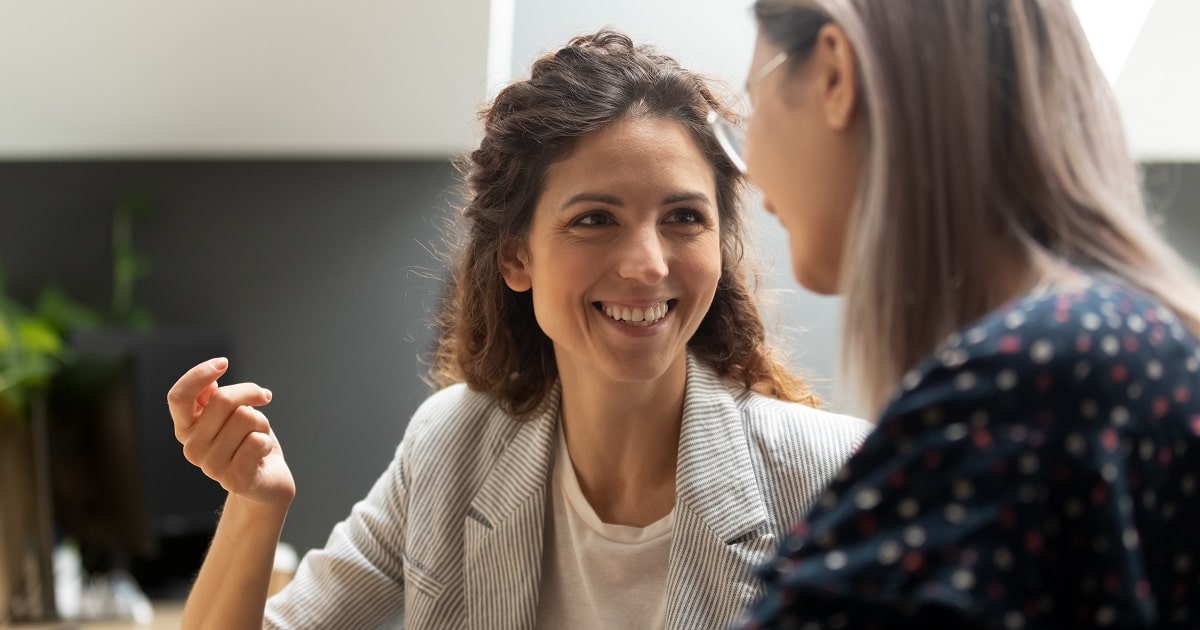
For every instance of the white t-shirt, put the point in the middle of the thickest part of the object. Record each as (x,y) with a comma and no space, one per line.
(596,575)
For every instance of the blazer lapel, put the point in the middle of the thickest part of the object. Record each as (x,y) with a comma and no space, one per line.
(503,529)
(721,525)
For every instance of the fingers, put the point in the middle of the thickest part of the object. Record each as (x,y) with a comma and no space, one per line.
(217,456)
(184,397)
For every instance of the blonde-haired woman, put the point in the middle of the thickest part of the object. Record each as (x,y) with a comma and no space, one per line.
(957,170)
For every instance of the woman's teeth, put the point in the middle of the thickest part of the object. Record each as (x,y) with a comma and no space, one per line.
(637,316)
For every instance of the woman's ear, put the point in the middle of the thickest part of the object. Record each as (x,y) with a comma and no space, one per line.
(838,72)
(514,266)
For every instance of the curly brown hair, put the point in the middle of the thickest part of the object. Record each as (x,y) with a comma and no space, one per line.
(488,336)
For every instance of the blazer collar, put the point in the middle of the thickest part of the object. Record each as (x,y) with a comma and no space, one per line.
(715,475)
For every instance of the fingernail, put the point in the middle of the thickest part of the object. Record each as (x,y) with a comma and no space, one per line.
(266,393)
(220,364)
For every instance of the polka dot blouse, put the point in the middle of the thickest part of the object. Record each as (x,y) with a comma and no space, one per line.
(1040,470)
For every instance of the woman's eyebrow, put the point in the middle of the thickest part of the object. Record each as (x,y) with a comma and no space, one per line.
(591,197)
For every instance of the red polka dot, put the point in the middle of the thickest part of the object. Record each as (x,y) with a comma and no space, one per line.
(800,529)
(1181,591)
(1008,518)
(1109,440)
(969,558)
(1165,456)
(1196,425)
(1044,382)
(981,438)
(1143,589)
(1151,316)
(932,459)
(868,525)
(1112,582)
(1010,344)
(995,591)
(1033,542)
(1062,315)
(1157,335)
(1099,495)
(1125,307)
(1161,407)
(1182,395)
(912,561)
(1062,473)
(1083,344)
(1131,344)
(897,479)
(1120,373)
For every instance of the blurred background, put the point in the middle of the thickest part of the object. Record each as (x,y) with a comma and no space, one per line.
(268,181)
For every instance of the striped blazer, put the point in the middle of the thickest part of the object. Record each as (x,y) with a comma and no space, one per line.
(451,535)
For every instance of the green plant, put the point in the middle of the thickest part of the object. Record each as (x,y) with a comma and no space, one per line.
(33,345)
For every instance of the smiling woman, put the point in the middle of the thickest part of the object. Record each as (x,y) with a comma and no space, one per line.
(613,444)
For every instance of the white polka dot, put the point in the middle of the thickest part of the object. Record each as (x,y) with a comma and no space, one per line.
(1100,544)
(867,499)
(1149,499)
(908,508)
(1183,563)
(1188,485)
(963,579)
(1154,369)
(1135,391)
(1042,351)
(829,500)
(1014,319)
(826,539)
(963,489)
(889,552)
(954,339)
(835,561)
(955,432)
(1090,321)
(980,419)
(1076,445)
(1088,409)
(914,535)
(1107,309)
(1125,504)
(911,379)
(1146,449)
(1119,416)
(931,416)
(1181,448)
(1110,345)
(1002,558)
(1028,493)
(1105,615)
(1192,364)
(1082,370)
(1109,472)
(1028,463)
(1168,511)
(1130,538)
(1006,380)
(965,381)
(955,513)
(1074,508)
(1135,323)
(843,474)
(976,335)
(954,357)
(1014,620)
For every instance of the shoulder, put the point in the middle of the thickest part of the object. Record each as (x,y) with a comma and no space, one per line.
(792,425)
(458,423)
(1091,348)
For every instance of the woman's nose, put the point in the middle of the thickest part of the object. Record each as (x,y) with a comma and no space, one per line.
(643,257)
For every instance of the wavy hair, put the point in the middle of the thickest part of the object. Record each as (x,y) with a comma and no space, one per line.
(488,336)
(983,118)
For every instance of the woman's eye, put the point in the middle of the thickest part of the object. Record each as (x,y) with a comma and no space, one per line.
(595,218)
(686,216)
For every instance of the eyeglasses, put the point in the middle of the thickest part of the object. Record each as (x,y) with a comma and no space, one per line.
(731,137)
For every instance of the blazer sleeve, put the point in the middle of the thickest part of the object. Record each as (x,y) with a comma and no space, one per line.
(357,579)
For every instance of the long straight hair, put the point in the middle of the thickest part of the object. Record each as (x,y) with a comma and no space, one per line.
(985,118)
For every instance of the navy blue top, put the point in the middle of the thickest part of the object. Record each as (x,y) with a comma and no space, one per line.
(1040,470)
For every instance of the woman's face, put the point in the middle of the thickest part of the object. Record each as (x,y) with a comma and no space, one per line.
(802,151)
(623,253)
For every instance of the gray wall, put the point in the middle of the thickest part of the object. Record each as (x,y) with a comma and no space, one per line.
(315,270)
(318,271)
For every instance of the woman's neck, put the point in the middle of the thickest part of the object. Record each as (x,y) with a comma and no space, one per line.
(623,439)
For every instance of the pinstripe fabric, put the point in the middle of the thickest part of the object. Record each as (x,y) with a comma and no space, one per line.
(450,536)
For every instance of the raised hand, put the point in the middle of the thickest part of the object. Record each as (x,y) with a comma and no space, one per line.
(224,435)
